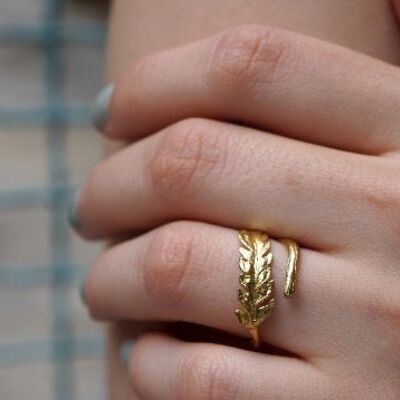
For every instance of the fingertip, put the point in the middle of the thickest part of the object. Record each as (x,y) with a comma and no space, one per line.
(74,217)
(125,352)
(101,108)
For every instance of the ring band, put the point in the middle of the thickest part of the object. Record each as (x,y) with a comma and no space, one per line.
(293,256)
(255,294)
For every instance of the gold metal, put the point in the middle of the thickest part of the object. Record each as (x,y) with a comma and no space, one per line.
(256,292)
(293,257)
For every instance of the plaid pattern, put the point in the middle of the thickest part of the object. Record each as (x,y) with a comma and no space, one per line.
(51,63)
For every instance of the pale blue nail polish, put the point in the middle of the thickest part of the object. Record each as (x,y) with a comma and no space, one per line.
(125,352)
(74,218)
(101,107)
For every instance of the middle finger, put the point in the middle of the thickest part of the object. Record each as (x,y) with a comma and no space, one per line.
(232,176)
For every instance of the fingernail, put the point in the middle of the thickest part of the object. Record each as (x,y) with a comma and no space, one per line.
(82,293)
(125,352)
(74,219)
(101,107)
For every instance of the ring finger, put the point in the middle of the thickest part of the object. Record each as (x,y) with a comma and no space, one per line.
(188,271)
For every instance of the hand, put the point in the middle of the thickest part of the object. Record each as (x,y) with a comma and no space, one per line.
(253,128)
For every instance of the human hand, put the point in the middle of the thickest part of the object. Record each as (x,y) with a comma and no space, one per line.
(264,129)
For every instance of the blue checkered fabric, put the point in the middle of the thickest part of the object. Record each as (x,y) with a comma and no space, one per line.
(51,62)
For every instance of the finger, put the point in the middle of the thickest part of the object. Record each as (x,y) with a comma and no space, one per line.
(233,176)
(188,271)
(162,367)
(267,78)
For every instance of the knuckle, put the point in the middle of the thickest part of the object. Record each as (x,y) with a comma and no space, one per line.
(188,153)
(136,71)
(387,310)
(383,198)
(167,266)
(208,375)
(391,315)
(246,55)
(377,298)
(388,306)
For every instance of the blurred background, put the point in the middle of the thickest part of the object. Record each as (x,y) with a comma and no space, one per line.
(51,68)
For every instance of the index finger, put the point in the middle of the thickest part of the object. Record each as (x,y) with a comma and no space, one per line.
(265,78)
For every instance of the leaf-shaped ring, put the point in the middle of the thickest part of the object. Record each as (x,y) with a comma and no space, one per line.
(255,294)
(293,257)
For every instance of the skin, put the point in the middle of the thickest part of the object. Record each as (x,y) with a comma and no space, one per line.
(308,123)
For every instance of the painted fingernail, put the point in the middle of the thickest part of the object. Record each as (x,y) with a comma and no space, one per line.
(125,352)
(74,218)
(101,107)
(82,293)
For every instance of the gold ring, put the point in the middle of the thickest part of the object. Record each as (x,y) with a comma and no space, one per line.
(255,294)
(293,256)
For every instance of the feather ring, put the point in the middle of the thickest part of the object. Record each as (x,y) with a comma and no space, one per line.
(256,284)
